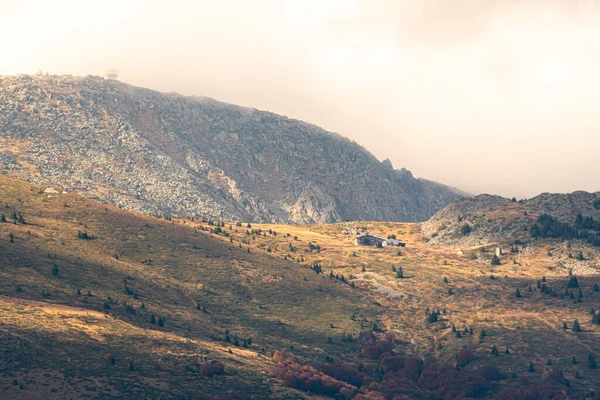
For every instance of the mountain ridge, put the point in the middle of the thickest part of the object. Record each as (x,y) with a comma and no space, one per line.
(191,156)
(492,218)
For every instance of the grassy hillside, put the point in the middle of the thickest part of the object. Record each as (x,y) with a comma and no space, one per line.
(77,312)
(59,327)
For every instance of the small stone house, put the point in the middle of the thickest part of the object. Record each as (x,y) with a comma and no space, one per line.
(373,240)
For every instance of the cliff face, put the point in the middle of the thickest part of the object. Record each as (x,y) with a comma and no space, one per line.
(162,153)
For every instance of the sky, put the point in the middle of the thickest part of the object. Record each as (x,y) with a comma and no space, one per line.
(490,96)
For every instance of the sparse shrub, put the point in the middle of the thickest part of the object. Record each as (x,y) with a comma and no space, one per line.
(211,369)
(464,356)
(490,372)
(84,235)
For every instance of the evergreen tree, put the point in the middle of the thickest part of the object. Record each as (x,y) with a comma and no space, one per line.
(161,322)
(494,350)
(399,273)
(433,317)
(495,260)
(153,319)
(576,327)
(2,218)
(572,284)
(55,270)
(465,229)
(518,294)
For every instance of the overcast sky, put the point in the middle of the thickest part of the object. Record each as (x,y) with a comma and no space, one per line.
(486,95)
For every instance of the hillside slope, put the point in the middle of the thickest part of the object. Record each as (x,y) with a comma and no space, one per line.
(98,302)
(172,155)
(127,308)
(495,219)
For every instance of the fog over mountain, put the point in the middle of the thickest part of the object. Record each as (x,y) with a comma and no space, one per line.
(488,96)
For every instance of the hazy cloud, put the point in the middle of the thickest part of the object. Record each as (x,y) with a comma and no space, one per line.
(495,96)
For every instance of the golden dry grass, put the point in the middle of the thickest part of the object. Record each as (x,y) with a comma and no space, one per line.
(55,339)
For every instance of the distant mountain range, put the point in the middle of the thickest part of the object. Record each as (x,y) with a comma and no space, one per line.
(166,154)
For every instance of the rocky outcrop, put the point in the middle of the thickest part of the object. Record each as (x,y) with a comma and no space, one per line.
(163,154)
(493,219)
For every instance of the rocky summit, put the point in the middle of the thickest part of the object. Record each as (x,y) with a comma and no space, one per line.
(486,219)
(170,155)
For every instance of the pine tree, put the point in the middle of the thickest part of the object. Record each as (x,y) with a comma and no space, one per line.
(495,260)
(596,288)
(592,362)
(572,284)
(531,368)
(494,350)
(55,270)
(161,322)
(450,292)
(131,367)
(576,327)
(518,294)
(2,218)
(565,325)
(433,317)
(399,273)
(445,280)
(153,319)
